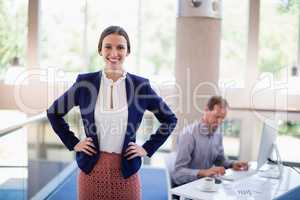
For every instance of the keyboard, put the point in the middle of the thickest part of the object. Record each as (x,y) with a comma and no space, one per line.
(232,175)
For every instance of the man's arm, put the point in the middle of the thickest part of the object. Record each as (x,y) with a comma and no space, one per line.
(221,159)
(182,173)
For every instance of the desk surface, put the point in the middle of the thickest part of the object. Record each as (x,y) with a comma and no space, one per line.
(252,188)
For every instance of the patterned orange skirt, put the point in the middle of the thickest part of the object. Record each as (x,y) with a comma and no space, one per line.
(106,182)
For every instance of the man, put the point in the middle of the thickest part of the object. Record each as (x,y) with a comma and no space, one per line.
(200,150)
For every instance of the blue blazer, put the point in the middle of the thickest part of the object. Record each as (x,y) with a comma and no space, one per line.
(140,97)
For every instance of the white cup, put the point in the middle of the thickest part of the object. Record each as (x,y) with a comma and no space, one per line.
(208,183)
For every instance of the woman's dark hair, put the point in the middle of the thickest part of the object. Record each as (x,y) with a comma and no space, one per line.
(113,30)
(216,100)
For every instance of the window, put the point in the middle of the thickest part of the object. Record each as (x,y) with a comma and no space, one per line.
(13,32)
(152,39)
(231,140)
(157,40)
(234,43)
(278,36)
(288,140)
(69,40)
(104,14)
(61,34)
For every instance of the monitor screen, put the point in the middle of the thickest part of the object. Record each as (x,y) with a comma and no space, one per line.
(268,138)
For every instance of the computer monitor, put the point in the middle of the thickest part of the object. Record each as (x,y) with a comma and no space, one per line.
(266,147)
(267,141)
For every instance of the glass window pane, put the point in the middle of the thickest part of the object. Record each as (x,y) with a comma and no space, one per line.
(278,36)
(46,151)
(104,14)
(231,140)
(234,43)
(152,40)
(288,140)
(157,45)
(9,154)
(61,34)
(13,32)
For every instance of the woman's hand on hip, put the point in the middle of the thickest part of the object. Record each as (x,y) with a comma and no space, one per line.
(86,146)
(134,150)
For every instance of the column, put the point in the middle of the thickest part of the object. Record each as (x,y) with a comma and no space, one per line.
(198,36)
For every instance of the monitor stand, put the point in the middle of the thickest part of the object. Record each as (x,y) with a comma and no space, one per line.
(275,171)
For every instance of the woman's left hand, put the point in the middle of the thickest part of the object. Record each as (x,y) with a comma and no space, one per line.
(134,150)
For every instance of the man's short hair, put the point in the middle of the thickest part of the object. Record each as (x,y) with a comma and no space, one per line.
(216,100)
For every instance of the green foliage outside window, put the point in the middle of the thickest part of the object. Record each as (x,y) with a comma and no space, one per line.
(291,6)
(158,37)
(290,128)
(233,42)
(279,24)
(232,127)
(13,31)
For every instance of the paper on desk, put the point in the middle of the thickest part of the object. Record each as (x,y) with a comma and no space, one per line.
(251,188)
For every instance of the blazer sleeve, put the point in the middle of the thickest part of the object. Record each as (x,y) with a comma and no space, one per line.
(59,109)
(165,116)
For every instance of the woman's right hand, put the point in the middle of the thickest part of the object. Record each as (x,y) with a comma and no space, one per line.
(86,146)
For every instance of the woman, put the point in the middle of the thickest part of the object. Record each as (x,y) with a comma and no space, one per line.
(112,103)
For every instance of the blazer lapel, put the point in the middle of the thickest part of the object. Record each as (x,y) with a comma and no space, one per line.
(96,83)
(130,101)
(94,96)
(91,117)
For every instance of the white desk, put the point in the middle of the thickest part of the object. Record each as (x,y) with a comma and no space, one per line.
(260,188)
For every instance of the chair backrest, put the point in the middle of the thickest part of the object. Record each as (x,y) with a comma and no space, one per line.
(155,183)
(293,194)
